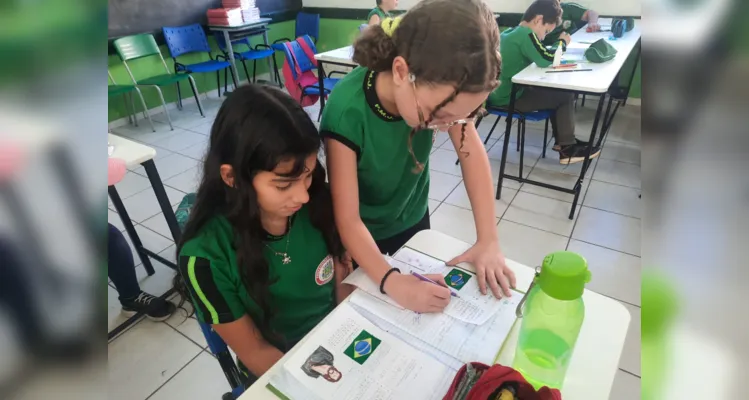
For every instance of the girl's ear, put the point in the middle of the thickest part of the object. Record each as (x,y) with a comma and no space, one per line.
(400,71)
(227,174)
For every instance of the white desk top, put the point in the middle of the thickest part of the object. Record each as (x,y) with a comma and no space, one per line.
(596,81)
(132,152)
(594,362)
(341,56)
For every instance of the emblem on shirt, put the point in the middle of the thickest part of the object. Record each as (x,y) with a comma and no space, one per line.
(325,270)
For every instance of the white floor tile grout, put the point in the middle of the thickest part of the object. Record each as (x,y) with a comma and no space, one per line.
(176,373)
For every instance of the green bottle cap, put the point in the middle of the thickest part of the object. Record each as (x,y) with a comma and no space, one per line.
(564,275)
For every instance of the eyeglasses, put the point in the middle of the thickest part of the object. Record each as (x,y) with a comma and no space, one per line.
(440,126)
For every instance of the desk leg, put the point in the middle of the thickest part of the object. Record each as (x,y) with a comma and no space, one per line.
(120,207)
(320,81)
(166,207)
(271,72)
(508,131)
(586,162)
(235,76)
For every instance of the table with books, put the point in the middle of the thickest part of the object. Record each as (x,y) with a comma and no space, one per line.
(368,348)
(595,79)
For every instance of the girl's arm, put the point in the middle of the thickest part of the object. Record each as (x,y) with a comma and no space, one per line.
(406,290)
(343,268)
(485,254)
(375,20)
(245,339)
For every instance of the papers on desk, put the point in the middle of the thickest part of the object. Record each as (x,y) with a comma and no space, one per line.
(349,358)
(471,307)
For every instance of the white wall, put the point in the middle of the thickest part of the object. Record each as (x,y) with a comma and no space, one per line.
(606,7)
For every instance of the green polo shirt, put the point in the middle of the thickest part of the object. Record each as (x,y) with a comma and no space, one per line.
(380,13)
(572,20)
(520,47)
(392,197)
(303,290)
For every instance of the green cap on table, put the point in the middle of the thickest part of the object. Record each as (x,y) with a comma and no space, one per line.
(600,51)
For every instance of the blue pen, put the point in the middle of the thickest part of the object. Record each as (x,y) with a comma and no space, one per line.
(425,279)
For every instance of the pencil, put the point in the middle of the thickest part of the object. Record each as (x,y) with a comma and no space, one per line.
(425,279)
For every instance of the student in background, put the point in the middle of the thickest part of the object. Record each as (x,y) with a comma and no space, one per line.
(378,125)
(260,254)
(521,46)
(382,11)
(574,16)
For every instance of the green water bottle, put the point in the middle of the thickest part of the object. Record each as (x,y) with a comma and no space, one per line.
(552,314)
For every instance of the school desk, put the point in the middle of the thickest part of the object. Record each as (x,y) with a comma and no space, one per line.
(601,81)
(595,360)
(134,153)
(237,32)
(340,57)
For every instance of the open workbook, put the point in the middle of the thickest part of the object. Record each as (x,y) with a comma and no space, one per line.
(369,348)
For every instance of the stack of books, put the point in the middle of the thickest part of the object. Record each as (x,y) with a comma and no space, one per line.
(225,17)
(250,13)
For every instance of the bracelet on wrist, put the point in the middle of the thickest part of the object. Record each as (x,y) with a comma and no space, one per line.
(384,278)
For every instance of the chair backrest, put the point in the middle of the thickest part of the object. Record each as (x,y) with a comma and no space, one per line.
(304,61)
(185,39)
(136,46)
(308,24)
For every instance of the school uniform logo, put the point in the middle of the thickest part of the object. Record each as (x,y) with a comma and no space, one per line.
(325,270)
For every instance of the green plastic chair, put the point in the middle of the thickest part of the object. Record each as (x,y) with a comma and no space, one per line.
(144,45)
(127,94)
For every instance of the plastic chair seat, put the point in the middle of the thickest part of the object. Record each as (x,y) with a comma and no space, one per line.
(328,85)
(205,66)
(255,54)
(163,80)
(114,90)
(534,116)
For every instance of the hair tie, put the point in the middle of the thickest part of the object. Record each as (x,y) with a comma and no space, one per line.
(389,25)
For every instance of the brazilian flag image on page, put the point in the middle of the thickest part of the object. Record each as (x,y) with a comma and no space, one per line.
(456,278)
(363,346)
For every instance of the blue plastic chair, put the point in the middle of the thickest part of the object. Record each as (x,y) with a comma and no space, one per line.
(305,64)
(307,24)
(191,39)
(535,116)
(259,52)
(221,351)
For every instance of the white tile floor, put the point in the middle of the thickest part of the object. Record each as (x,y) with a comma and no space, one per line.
(169,360)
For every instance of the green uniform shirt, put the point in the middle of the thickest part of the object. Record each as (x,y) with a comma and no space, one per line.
(572,20)
(392,197)
(380,13)
(301,297)
(520,47)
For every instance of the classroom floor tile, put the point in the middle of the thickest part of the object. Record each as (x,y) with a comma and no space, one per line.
(114,219)
(441,185)
(131,184)
(617,172)
(528,245)
(614,198)
(187,181)
(144,205)
(626,387)
(541,213)
(196,151)
(180,140)
(202,378)
(444,220)
(609,230)
(623,152)
(459,197)
(442,160)
(157,223)
(182,119)
(144,358)
(530,155)
(150,239)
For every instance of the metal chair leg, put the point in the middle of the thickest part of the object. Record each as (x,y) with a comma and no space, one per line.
(546,135)
(522,145)
(254,71)
(163,103)
(218,83)
(127,108)
(518,140)
(194,87)
(145,109)
(179,96)
(246,71)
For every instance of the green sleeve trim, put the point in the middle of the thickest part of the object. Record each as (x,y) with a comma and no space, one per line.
(199,291)
(540,48)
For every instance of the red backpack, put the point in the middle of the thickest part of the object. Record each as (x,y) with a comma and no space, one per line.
(298,70)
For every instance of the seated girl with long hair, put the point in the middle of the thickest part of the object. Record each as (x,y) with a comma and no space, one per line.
(260,255)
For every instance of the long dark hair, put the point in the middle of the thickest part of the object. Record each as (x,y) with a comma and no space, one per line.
(256,128)
(452,42)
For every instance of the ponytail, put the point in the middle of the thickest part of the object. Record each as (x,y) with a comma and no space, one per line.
(375,49)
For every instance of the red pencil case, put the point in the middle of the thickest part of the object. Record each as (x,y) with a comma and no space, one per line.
(499,383)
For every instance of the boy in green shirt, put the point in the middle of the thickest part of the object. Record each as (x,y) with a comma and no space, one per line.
(574,16)
(382,11)
(521,46)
